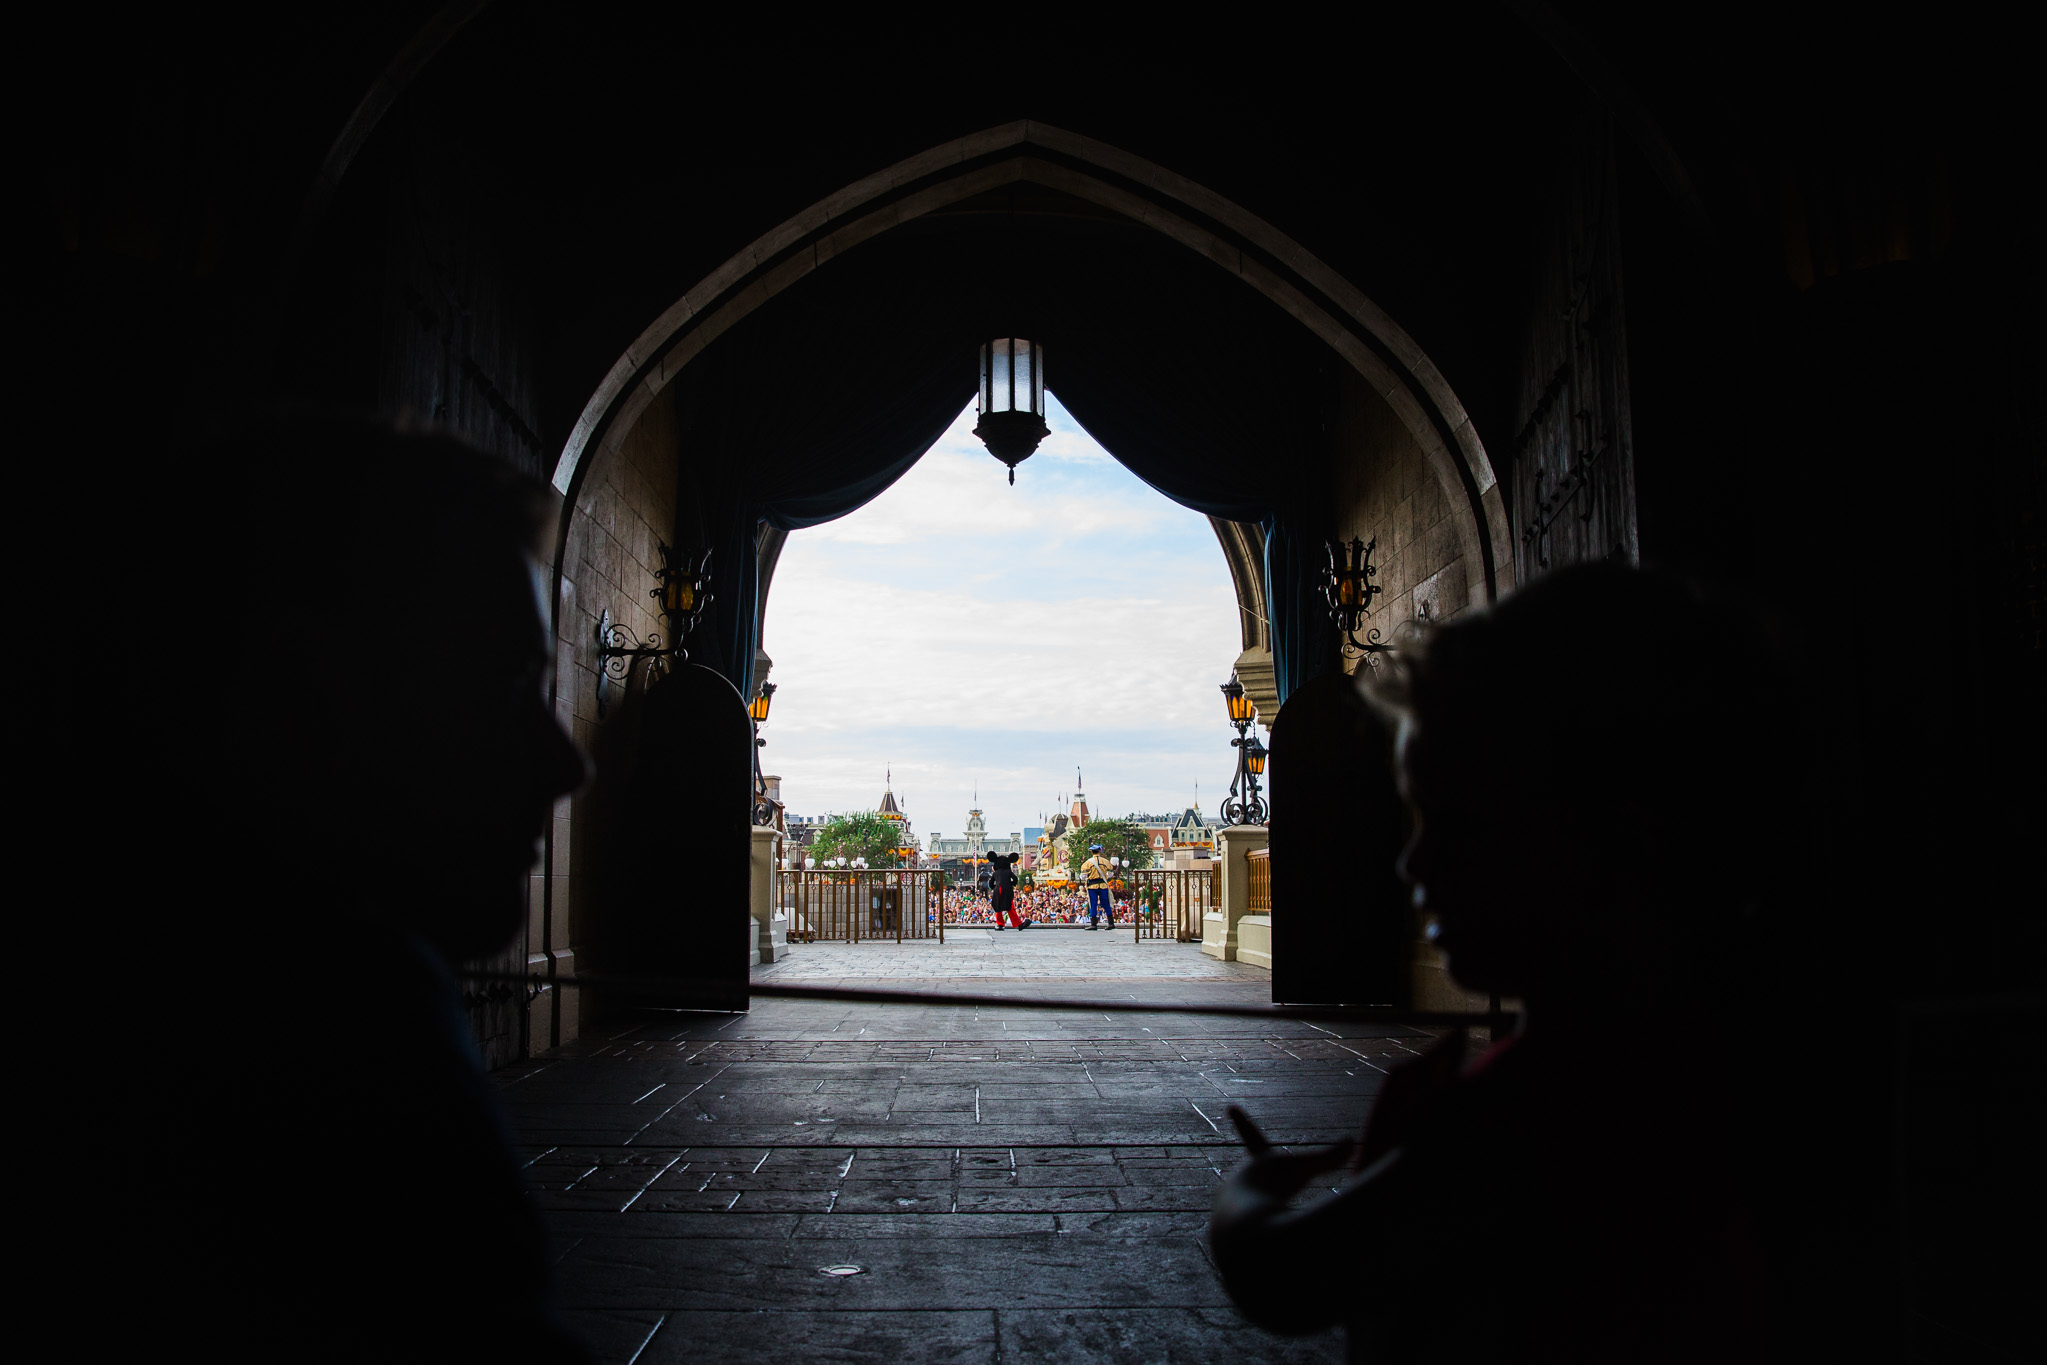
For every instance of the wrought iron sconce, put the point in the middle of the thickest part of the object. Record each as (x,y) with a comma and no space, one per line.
(1348,588)
(763,809)
(1243,806)
(683,592)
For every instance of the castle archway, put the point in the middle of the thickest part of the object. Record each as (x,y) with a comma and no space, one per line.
(1367,340)
(1170,313)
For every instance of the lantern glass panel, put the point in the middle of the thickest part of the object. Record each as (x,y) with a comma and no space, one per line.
(1012,376)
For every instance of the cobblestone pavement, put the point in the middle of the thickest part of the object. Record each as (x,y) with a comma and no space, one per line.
(1012,1183)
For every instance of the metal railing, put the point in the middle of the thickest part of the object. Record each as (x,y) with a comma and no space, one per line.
(851,905)
(1259,887)
(1170,902)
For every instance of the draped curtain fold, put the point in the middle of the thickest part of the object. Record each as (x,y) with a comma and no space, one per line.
(821,400)
(1251,462)
(801,417)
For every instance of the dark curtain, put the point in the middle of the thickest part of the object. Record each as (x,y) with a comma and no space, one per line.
(822,399)
(1237,476)
(1218,400)
(803,415)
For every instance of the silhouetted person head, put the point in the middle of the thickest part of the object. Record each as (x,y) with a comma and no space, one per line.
(1588,765)
(1591,772)
(362,676)
(353,752)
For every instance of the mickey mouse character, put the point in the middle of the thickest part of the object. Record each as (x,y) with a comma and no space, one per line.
(1004,867)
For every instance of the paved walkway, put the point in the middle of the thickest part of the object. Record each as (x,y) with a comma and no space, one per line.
(1034,954)
(1005,1183)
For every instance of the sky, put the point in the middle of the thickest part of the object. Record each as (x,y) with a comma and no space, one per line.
(958,631)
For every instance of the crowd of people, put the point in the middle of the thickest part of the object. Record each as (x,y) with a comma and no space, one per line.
(1034,906)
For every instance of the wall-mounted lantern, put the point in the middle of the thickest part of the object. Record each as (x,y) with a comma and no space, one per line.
(1348,588)
(1243,806)
(684,591)
(1012,400)
(681,593)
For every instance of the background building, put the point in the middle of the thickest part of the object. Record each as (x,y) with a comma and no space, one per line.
(975,843)
(907,847)
(800,832)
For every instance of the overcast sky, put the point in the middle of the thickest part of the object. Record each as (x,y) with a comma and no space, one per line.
(964,631)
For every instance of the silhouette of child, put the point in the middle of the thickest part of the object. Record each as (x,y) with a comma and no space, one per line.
(1581,775)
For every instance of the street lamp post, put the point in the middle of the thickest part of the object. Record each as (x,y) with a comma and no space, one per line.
(1243,806)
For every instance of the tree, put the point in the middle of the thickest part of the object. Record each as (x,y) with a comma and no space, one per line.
(1118,838)
(863,834)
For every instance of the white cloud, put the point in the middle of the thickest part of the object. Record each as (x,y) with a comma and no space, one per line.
(961,630)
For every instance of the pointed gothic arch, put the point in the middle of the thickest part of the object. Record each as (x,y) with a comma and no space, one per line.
(1226,234)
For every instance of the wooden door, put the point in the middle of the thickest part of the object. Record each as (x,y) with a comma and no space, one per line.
(1341,922)
(680,858)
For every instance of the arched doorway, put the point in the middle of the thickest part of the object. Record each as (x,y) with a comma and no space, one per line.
(1221,362)
(1233,239)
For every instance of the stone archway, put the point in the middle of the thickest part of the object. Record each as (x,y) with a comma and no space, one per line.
(617,472)
(1381,353)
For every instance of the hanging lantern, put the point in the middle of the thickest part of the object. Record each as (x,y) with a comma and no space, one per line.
(1012,400)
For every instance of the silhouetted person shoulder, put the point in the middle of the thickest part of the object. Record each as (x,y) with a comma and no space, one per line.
(352,753)
(1590,785)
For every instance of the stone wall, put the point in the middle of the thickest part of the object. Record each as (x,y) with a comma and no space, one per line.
(624,508)
(1383,488)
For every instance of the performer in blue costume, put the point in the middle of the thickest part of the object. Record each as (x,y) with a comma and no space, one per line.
(1095,874)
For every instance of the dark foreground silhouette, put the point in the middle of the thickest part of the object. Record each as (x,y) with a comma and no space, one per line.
(1588,805)
(325,1170)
